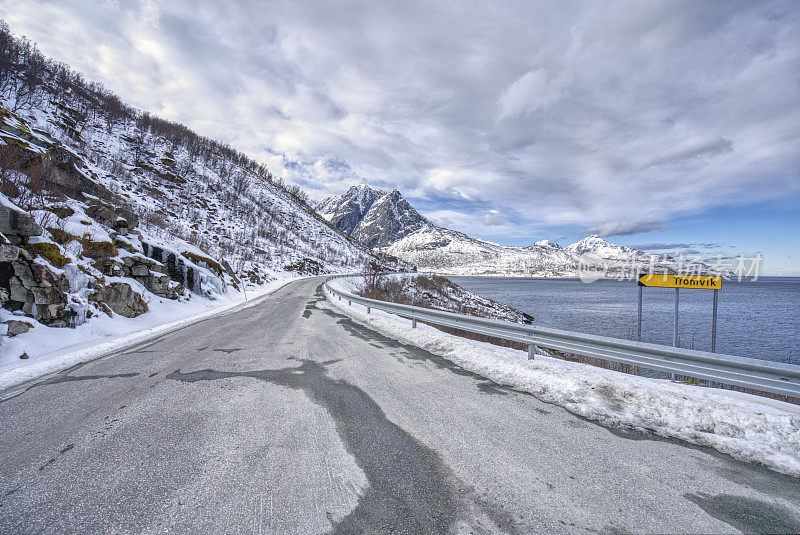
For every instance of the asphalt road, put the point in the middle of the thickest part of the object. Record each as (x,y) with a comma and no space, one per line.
(286,417)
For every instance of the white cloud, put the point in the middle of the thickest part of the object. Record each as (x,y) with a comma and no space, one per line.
(626,228)
(494,218)
(604,109)
(693,149)
(531,92)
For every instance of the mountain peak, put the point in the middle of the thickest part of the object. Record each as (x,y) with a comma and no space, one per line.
(600,246)
(361,189)
(346,211)
(547,243)
(374,217)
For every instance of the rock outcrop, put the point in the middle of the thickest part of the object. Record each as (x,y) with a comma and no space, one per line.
(42,158)
(8,252)
(152,274)
(121,298)
(34,289)
(118,218)
(15,224)
(60,296)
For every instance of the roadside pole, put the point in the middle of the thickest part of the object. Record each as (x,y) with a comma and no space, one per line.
(675,333)
(639,317)
(714,324)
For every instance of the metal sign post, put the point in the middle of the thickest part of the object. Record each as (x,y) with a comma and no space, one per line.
(714,324)
(694,282)
(639,317)
(675,333)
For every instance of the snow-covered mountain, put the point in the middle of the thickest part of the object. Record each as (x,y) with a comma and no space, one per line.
(346,211)
(375,218)
(596,245)
(387,222)
(547,243)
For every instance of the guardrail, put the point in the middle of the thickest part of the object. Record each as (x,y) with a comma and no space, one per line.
(760,375)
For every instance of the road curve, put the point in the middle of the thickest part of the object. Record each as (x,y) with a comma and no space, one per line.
(287,417)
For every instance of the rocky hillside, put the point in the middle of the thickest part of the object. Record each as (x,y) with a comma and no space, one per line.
(435,292)
(346,211)
(106,208)
(388,223)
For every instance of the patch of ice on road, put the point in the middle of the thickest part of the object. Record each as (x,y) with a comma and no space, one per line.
(744,426)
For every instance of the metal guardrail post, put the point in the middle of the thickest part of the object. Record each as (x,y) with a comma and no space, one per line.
(531,351)
(368,310)
(413,323)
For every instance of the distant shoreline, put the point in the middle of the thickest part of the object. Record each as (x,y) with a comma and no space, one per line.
(534,277)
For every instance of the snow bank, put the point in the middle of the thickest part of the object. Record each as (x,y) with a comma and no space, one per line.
(744,426)
(55,349)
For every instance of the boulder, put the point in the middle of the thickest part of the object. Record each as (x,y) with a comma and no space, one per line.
(122,220)
(8,252)
(228,269)
(18,291)
(15,222)
(128,215)
(152,275)
(140,270)
(16,327)
(121,298)
(65,172)
(112,268)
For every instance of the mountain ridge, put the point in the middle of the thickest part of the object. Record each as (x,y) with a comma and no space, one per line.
(432,247)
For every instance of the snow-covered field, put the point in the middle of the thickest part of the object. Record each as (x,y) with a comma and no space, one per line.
(52,349)
(744,426)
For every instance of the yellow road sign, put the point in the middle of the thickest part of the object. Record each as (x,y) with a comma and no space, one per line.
(695,282)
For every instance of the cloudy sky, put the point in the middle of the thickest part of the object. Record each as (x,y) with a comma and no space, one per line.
(672,125)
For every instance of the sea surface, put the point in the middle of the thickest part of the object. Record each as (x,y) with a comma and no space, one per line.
(758,319)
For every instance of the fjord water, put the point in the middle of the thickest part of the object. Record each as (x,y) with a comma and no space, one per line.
(758,319)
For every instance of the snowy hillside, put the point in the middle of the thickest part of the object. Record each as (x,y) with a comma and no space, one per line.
(387,222)
(107,211)
(431,291)
(194,189)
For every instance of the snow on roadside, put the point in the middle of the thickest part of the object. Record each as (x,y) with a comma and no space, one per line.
(747,427)
(55,349)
